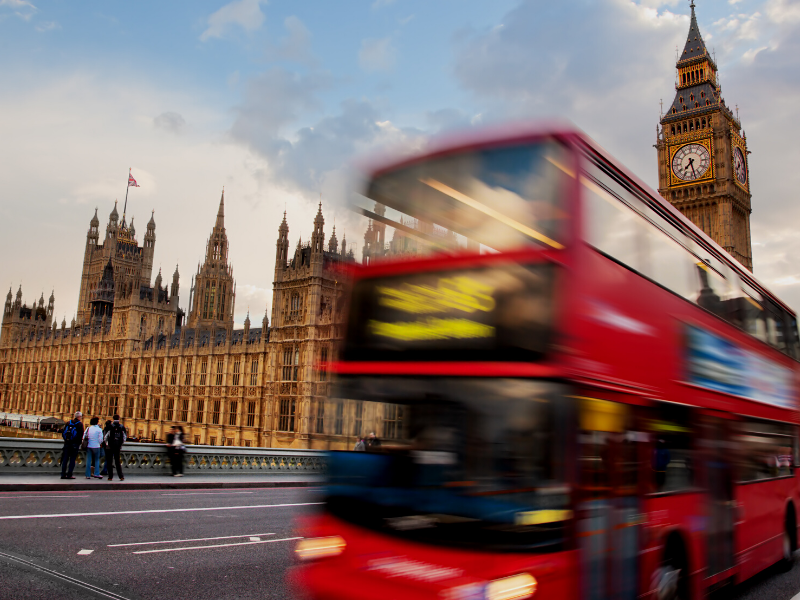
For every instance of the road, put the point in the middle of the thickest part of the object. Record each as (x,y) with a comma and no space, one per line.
(167,544)
(174,544)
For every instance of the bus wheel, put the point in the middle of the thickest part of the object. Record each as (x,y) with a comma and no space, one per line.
(789,542)
(669,580)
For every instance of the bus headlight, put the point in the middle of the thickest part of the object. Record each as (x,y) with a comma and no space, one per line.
(321,547)
(516,587)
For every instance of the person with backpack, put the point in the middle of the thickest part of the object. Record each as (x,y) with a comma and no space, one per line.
(115,437)
(73,436)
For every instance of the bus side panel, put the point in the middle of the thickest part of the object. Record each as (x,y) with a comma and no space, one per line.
(760,527)
(674,514)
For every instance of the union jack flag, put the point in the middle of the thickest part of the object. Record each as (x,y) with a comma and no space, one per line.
(131,180)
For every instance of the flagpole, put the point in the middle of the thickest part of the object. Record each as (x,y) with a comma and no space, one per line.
(127,187)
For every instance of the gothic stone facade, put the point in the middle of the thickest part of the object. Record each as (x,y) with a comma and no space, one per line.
(702,153)
(128,351)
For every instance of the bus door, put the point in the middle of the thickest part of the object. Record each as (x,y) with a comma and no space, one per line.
(721,504)
(608,500)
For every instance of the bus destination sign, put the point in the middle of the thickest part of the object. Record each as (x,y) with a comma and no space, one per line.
(466,312)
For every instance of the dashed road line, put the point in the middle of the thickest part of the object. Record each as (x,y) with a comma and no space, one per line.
(223,537)
(215,546)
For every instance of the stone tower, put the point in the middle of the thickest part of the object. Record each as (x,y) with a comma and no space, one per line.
(702,153)
(132,264)
(306,309)
(213,292)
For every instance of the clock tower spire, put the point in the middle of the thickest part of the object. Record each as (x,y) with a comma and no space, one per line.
(702,153)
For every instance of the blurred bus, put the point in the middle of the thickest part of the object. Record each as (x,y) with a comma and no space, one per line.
(577,393)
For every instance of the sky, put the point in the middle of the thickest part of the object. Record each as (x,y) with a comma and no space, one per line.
(277,100)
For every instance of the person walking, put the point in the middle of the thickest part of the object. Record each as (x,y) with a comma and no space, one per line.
(115,437)
(106,427)
(72,434)
(175,450)
(360,446)
(94,437)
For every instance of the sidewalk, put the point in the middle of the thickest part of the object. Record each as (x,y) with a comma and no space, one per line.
(136,481)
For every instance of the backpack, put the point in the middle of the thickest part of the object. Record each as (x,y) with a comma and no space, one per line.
(71,433)
(116,435)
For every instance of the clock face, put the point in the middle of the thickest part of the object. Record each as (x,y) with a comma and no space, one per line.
(739,167)
(691,162)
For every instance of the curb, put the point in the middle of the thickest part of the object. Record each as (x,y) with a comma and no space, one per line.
(114,485)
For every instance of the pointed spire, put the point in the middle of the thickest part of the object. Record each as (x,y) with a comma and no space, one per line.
(695,47)
(151,224)
(95,222)
(221,212)
(114,216)
(319,217)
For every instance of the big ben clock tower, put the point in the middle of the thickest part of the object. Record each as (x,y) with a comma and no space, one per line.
(702,154)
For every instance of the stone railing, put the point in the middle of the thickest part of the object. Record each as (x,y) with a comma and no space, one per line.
(28,456)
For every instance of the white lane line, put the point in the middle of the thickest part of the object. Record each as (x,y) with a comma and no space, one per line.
(223,537)
(215,546)
(15,497)
(85,552)
(255,539)
(164,510)
(204,493)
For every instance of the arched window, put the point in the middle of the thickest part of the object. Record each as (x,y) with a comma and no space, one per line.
(673,130)
(142,326)
(691,125)
(684,79)
(674,111)
(703,123)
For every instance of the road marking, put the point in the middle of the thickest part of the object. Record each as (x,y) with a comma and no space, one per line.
(223,537)
(255,539)
(15,497)
(215,546)
(87,586)
(164,510)
(85,552)
(204,493)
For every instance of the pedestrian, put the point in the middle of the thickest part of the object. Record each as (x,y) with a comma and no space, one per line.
(115,437)
(106,427)
(72,434)
(373,444)
(94,438)
(360,446)
(175,450)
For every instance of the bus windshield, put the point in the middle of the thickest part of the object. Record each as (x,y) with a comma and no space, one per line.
(486,200)
(477,463)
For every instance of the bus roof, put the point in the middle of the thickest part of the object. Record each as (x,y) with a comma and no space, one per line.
(522,132)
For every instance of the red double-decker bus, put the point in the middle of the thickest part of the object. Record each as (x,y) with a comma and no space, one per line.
(566,390)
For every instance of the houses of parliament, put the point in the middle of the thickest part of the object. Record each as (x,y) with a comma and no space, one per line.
(132,350)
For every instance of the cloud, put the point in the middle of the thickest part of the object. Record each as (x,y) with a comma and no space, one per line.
(295,46)
(272,100)
(170,121)
(240,13)
(377,55)
(47,26)
(69,140)
(22,8)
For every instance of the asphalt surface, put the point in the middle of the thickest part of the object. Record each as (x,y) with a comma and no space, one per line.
(157,544)
(58,529)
